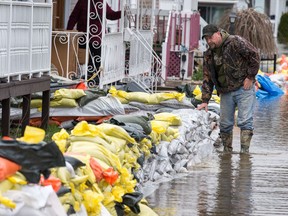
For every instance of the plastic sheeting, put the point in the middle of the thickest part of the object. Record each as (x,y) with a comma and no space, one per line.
(33,200)
(268,88)
(33,158)
(103,106)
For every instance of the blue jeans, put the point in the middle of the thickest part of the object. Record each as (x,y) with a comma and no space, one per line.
(242,99)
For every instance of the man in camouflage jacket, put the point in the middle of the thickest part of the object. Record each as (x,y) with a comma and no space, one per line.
(230,65)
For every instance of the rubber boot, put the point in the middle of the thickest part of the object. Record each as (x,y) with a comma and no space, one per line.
(245,139)
(227,141)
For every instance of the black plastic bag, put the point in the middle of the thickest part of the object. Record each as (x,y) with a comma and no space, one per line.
(35,159)
(131,200)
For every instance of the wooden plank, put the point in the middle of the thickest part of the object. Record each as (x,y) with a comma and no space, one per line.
(6,117)
(24,88)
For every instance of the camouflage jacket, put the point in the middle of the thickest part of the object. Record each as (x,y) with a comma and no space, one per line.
(240,60)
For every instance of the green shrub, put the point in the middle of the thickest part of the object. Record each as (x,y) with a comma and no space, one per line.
(283,29)
(198,73)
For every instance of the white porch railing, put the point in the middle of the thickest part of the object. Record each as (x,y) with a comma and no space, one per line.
(25,32)
(145,66)
(113,59)
(140,53)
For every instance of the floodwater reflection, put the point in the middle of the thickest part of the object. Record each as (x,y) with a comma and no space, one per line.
(236,184)
(233,195)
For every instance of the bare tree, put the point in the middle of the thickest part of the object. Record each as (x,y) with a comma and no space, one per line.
(255,27)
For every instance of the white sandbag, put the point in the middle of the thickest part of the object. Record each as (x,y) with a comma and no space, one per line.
(33,200)
(162,149)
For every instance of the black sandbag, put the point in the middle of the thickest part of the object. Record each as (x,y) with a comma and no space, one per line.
(40,156)
(75,163)
(90,96)
(63,190)
(187,89)
(195,102)
(131,200)
(33,176)
(119,209)
(140,120)
(134,131)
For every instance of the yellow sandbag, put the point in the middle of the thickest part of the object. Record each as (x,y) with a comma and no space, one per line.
(146,211)
(154,137)
(63,174)
(5,185)
(91,201)
(69,93)
(36,103)
(32,135)
(171,118)
(197,90)
(94,140)
(118,192)
(85,170)
(85,129)
(119,94)
(64,102)
(111,208)
(167,96)
(77,180)
(159,126)
(96,151)
(116,131)
(141,97)
(7,202)
(67,198)
(121,99)
(216,98)
(60,138)
(117,142)
(127,180)
(199,97)
(171,131)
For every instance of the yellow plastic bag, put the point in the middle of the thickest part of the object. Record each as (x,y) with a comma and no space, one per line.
(159,126)
(92,201)
(216,98)
(116,131)
(32,135)
(60,138)
(64,102)
(69,93)
(169,95)
(197,90)
(85,129)
(119,94)
(171,118)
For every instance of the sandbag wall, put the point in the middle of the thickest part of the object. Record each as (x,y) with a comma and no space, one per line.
(105,167)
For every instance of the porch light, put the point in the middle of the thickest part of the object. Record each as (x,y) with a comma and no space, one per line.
(232,19)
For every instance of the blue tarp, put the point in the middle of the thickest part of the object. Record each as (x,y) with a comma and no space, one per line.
(268,88)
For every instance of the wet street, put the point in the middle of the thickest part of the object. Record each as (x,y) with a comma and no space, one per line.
(252,185)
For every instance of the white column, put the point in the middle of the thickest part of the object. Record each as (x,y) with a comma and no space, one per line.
(190,5)
(276,19)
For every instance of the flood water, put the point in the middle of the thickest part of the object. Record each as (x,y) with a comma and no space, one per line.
(234,184)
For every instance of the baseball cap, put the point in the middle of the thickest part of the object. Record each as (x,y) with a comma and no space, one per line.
(209,30)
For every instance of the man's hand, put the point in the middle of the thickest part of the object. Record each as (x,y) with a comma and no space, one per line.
(203,106)
(248,83)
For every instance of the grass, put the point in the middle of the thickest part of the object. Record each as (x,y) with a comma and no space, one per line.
(16,131)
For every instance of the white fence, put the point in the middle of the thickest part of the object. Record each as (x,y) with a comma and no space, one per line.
(25,32)
(140,53)
(113,59)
